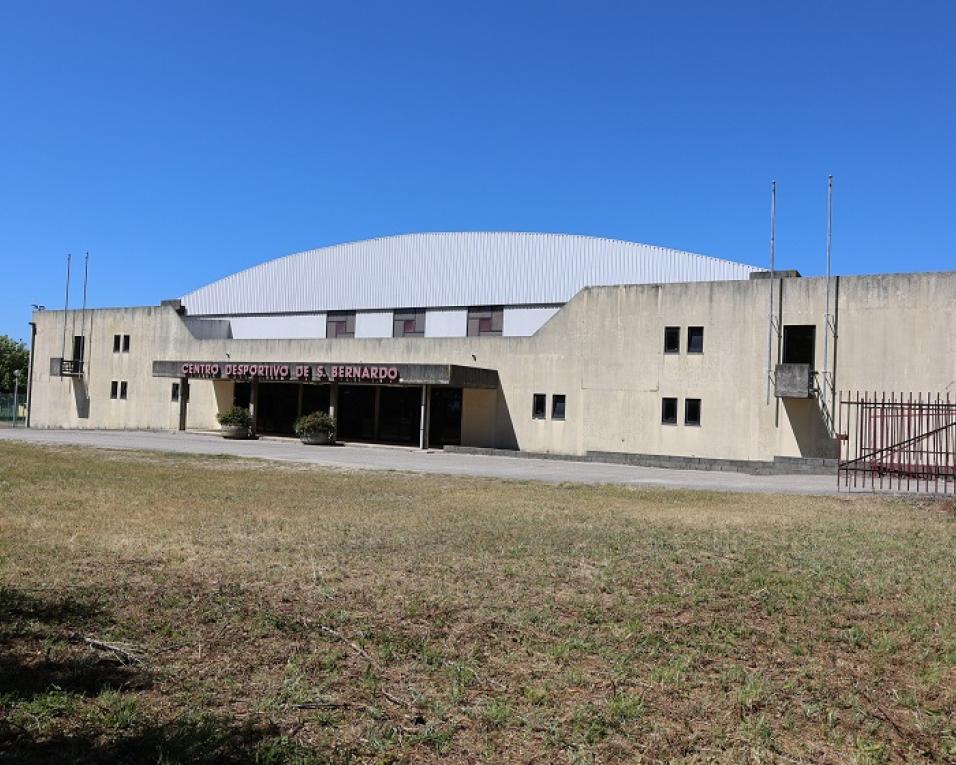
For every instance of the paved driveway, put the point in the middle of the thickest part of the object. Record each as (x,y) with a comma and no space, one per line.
(414,460)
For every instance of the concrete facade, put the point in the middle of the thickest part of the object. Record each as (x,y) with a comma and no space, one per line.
(603,351)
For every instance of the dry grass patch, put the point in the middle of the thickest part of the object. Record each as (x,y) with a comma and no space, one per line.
(290,614)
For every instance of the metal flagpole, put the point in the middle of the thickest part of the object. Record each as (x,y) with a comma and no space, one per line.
(773,245)
(66,307)
(826,315)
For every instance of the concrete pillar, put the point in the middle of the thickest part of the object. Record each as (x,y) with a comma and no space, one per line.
(254,404)
(334,404)
(423,422)
(183,401)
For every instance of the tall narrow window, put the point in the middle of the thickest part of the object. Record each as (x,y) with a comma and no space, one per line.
(125,343)
(695,339)
(114,389)
(123,389)
(79,346)
(692,411)
(671,339)
(409,323)
(175,392)
(485,321)
(340,324)
(539,406)
(557,406)
(116,343)
(669,411)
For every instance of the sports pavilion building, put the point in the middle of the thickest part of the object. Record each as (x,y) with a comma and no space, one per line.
(542,343)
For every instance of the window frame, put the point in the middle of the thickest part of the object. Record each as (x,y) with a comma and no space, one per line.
(675,335)
(535,398)
(687,421)
(117,341)
(114,389)
(334,318)
(174,393)
(689,349)
(124,390)
(402,318)
(125,343)
(555,397)
(477,316)
(664,401)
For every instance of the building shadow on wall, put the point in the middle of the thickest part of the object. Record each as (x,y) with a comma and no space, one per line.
(81,395)
(809,425)
(53,690)
(505,437)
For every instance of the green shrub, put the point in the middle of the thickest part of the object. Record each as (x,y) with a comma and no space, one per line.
(235,415)
(316,422)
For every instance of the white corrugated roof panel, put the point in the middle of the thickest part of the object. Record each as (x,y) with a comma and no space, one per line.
(451,269)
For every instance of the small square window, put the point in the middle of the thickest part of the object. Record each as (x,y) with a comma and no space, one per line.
(114,387)
(123,385)
(669,411)
(116,343)
(671,339)
(557,406)
(175,393)
(695,339)
(692,411)
(539,406)
(125,343)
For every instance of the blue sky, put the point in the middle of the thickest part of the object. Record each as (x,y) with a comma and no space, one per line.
(179,142)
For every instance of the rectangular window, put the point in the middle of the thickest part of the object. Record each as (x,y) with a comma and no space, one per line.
(114,389)
(538,406)
(557,406)
(79,346)
(669,411)
(695,339)
(340,324)
(671,339)
(692,411)
(123,389)
(409,323)
(485,321)
(125,343)
(116,343)
(175,393)
(798,344)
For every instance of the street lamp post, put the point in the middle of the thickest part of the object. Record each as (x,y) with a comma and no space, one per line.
(16,394)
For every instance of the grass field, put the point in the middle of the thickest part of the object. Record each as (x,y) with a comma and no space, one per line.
(268,613)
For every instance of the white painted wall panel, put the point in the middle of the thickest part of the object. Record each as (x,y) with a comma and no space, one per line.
(278,327)
(450,270)
(373,324)
(522,322)
(446,323)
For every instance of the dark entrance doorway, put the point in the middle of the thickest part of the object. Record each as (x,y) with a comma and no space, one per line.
(445,417)
(356,413)
(399,415)
(798,343)
(278,408)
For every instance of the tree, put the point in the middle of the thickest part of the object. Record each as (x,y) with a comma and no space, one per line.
(13,355)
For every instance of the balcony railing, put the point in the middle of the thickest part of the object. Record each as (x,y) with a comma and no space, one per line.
(66,367)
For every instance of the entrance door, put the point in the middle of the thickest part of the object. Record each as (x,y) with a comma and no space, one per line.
(445,417)
(356,413)
(400,411)
(278,408)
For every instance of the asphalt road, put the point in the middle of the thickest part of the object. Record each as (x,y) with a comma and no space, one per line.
(416,461)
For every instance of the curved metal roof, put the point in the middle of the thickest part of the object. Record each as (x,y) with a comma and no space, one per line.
(450,269)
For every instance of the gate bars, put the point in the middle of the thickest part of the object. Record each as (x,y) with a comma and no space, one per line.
(897,442)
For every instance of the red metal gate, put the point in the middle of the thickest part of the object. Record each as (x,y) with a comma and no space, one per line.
(897,442)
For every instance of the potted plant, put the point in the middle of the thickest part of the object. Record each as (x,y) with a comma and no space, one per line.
(235,422)
(315,428)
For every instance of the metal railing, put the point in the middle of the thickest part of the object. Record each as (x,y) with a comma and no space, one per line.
(897,442)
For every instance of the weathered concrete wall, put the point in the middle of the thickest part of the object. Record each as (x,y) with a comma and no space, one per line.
(603,350)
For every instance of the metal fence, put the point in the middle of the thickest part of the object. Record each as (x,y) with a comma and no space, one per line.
(897,442)
(7,411)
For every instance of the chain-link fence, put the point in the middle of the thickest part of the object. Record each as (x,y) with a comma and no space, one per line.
(7,409)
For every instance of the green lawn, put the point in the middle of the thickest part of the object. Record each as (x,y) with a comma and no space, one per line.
(271,613)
